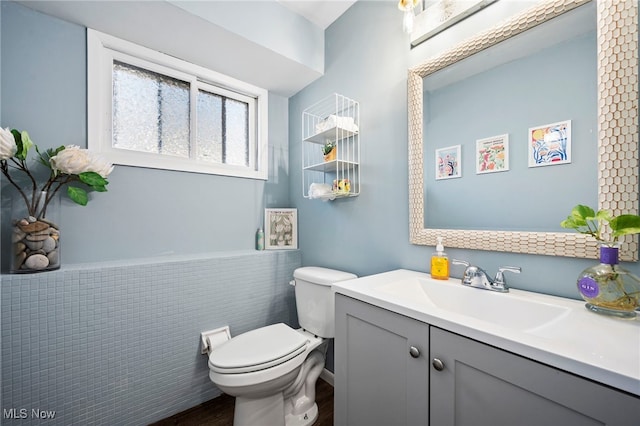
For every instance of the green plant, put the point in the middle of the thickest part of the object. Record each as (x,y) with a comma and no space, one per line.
(328,146)
(585,220)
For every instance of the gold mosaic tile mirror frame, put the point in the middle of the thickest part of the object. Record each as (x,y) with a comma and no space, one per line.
(617,39)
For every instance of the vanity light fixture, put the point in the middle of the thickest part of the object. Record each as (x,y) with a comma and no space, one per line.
(408,7)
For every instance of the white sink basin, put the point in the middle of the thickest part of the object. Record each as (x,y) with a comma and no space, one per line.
(553,330)
(503,309)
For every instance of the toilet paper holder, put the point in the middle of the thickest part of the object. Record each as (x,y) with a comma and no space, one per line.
(211,339)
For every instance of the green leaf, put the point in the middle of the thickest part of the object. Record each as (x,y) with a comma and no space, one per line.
(93,179)
(78,195)
(625,224)
(26,142)
(583,212)
(604,215)
(569,223)
(23,142)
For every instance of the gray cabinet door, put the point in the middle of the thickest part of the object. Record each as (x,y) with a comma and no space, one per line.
(482,385)
(379,378)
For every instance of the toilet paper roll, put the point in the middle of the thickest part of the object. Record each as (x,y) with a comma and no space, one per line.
(212,339)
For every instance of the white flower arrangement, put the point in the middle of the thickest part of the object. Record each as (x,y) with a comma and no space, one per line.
(67,164)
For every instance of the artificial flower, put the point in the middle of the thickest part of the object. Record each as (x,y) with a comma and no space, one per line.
(67,165)
(8,147)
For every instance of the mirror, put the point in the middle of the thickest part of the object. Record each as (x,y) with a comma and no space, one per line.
(617,132)
(540,76)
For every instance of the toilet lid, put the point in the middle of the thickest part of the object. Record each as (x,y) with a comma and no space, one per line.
(258,349)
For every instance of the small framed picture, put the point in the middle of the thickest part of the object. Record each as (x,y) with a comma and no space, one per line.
(280,229)
(550,144)
(448,162)
(492,154)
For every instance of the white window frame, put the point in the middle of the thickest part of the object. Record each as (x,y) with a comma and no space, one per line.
(103,49)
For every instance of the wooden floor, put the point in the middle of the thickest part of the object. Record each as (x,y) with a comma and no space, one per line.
(219,411)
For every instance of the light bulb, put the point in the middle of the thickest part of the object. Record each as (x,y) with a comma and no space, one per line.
(408,7)
(407,21)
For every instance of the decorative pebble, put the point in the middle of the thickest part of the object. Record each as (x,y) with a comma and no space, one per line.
(18,235)
(36,237)
(33,245)
(48,244)
(32,219)
(20,247)
(34,227)
(48,222)
(23,222)
(53,257)
(37,262)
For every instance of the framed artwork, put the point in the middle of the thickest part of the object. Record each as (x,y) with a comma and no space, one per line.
(550,144)
(492,154)
(448,162)
(280,229)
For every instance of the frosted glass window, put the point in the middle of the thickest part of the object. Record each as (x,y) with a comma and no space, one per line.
(150,111)
(223,134)
(209,127)
(236,141)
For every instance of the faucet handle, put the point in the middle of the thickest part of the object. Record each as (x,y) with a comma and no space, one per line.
(473,276)
(500,281)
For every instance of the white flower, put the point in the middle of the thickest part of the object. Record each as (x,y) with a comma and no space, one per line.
(73,160)
(8,147)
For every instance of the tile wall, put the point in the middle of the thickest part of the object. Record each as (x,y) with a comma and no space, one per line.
(120,343)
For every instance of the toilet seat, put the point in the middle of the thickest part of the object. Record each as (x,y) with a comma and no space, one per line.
(258,350)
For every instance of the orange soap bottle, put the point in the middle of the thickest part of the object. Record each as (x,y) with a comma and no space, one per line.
(440,263)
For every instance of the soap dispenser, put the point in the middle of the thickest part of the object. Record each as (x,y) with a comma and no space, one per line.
(440,262)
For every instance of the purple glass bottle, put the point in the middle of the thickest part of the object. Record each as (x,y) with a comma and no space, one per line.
(608,288)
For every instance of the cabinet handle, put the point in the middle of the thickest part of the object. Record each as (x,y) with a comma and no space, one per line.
(437,364)
(414,352)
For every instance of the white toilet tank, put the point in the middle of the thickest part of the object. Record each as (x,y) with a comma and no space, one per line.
(315,300)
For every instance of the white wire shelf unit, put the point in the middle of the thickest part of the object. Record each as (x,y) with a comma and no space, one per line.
(333,120)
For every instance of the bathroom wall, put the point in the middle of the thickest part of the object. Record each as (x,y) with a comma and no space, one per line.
(146,212)
(117,343)
(366,57)
(113,336)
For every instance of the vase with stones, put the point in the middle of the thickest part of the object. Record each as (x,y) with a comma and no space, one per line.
(35,234)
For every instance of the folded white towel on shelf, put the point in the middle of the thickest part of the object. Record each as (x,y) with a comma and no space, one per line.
(345,123)
(321,191)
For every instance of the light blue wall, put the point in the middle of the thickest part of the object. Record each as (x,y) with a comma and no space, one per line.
(113,336)
(146,212)
(255,20)
(367,57)
(118,343)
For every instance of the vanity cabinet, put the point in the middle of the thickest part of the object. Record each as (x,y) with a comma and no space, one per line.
(381,367)
(482,385)
(456,381)
(332,122)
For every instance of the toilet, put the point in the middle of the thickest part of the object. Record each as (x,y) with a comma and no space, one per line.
(272,371)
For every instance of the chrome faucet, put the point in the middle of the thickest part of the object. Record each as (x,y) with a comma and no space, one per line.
(474,276)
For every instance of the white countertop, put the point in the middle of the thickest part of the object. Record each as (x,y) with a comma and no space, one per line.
(598,347)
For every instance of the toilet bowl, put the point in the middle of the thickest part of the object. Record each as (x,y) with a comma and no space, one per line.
(272,371)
